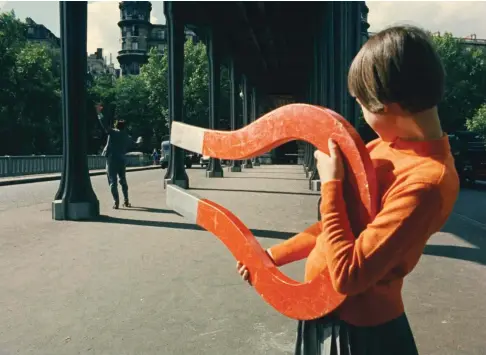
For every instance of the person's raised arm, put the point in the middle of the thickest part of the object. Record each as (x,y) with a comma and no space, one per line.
(101,119)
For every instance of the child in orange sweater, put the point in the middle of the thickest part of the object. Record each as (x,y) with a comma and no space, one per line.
(398,80)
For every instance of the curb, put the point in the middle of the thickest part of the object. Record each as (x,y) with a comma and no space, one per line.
(58,177)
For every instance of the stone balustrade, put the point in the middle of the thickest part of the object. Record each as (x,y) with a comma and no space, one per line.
(47,164)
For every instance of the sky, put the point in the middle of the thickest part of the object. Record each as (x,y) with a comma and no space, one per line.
(461,18)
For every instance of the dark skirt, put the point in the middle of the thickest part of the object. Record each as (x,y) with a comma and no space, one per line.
(331,336)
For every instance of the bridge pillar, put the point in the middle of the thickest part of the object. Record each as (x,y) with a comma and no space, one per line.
(176,172)
(254,103)
(234,112)
(75,199)
(214,167)
(246,115)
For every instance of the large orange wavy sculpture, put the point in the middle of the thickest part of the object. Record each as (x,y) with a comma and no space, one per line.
(312,299)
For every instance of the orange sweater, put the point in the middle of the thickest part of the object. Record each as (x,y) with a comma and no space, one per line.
(418,187)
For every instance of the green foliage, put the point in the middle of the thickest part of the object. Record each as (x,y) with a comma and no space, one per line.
(29,92)
(154,75)
(477,123)
(196,84)
(465,81)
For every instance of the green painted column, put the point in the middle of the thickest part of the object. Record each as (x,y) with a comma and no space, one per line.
(247,164)
(314,179)
(254,104)
(214,167)
(176,172)
(234,107)
(75,199)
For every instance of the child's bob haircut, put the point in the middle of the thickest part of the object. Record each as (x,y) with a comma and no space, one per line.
(398,65)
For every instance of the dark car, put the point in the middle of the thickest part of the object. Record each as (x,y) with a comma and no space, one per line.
(469,152)
(189,158)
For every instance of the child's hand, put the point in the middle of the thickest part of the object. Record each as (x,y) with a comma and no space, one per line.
(330,167)
(243,271)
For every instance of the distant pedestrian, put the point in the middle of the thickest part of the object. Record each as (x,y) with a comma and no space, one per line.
(116,147)
(155,156)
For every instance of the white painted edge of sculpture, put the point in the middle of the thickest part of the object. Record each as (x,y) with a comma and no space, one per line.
(182,202)
(187,137)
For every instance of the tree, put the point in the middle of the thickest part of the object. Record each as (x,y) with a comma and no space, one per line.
(465,84)
(154,75)
(38,100)
(196,84)
(12,39)
(133,106)
(477,123)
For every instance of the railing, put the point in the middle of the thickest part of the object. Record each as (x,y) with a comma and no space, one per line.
(47,164)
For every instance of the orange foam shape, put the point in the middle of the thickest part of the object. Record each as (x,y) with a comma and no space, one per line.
(304,301)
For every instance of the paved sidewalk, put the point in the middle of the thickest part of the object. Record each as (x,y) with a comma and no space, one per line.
(27,179)
(145,281)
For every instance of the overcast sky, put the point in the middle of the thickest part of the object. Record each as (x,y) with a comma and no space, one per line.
(462,18)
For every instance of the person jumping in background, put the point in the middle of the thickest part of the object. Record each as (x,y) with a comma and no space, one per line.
(116,147)
(398,80)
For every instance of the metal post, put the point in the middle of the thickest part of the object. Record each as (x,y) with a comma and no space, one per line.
(314,180)
(214,167)
(234,105)
(254,99)
(176,172)
(247,163)
(75,199)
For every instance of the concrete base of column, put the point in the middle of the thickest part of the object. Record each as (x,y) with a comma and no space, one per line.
(184,184)
(75,211)
(316,185)
(214,174)
(235,169)
(248,165)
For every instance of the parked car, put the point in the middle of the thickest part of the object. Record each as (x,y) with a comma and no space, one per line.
(165,156)
(204,161)
(469,151)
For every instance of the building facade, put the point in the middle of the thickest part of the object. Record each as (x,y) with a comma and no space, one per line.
(97,64)
(41,34)
(139,36)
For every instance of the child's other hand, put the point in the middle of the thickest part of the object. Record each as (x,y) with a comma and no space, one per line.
(330,167)
(243,271)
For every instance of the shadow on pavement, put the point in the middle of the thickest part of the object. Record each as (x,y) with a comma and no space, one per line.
(261,171)
(471,233)
(257,191)
(148,209)
(263,233)
(264,178)
(457,252)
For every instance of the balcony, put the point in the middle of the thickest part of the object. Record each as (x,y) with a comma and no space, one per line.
(140,52)
(133,20)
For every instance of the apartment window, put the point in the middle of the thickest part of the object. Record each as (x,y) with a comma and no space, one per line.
(160,47)
(135,68)
(135,30)
(30,31)
(162,34)
(124,45)
(134,45)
